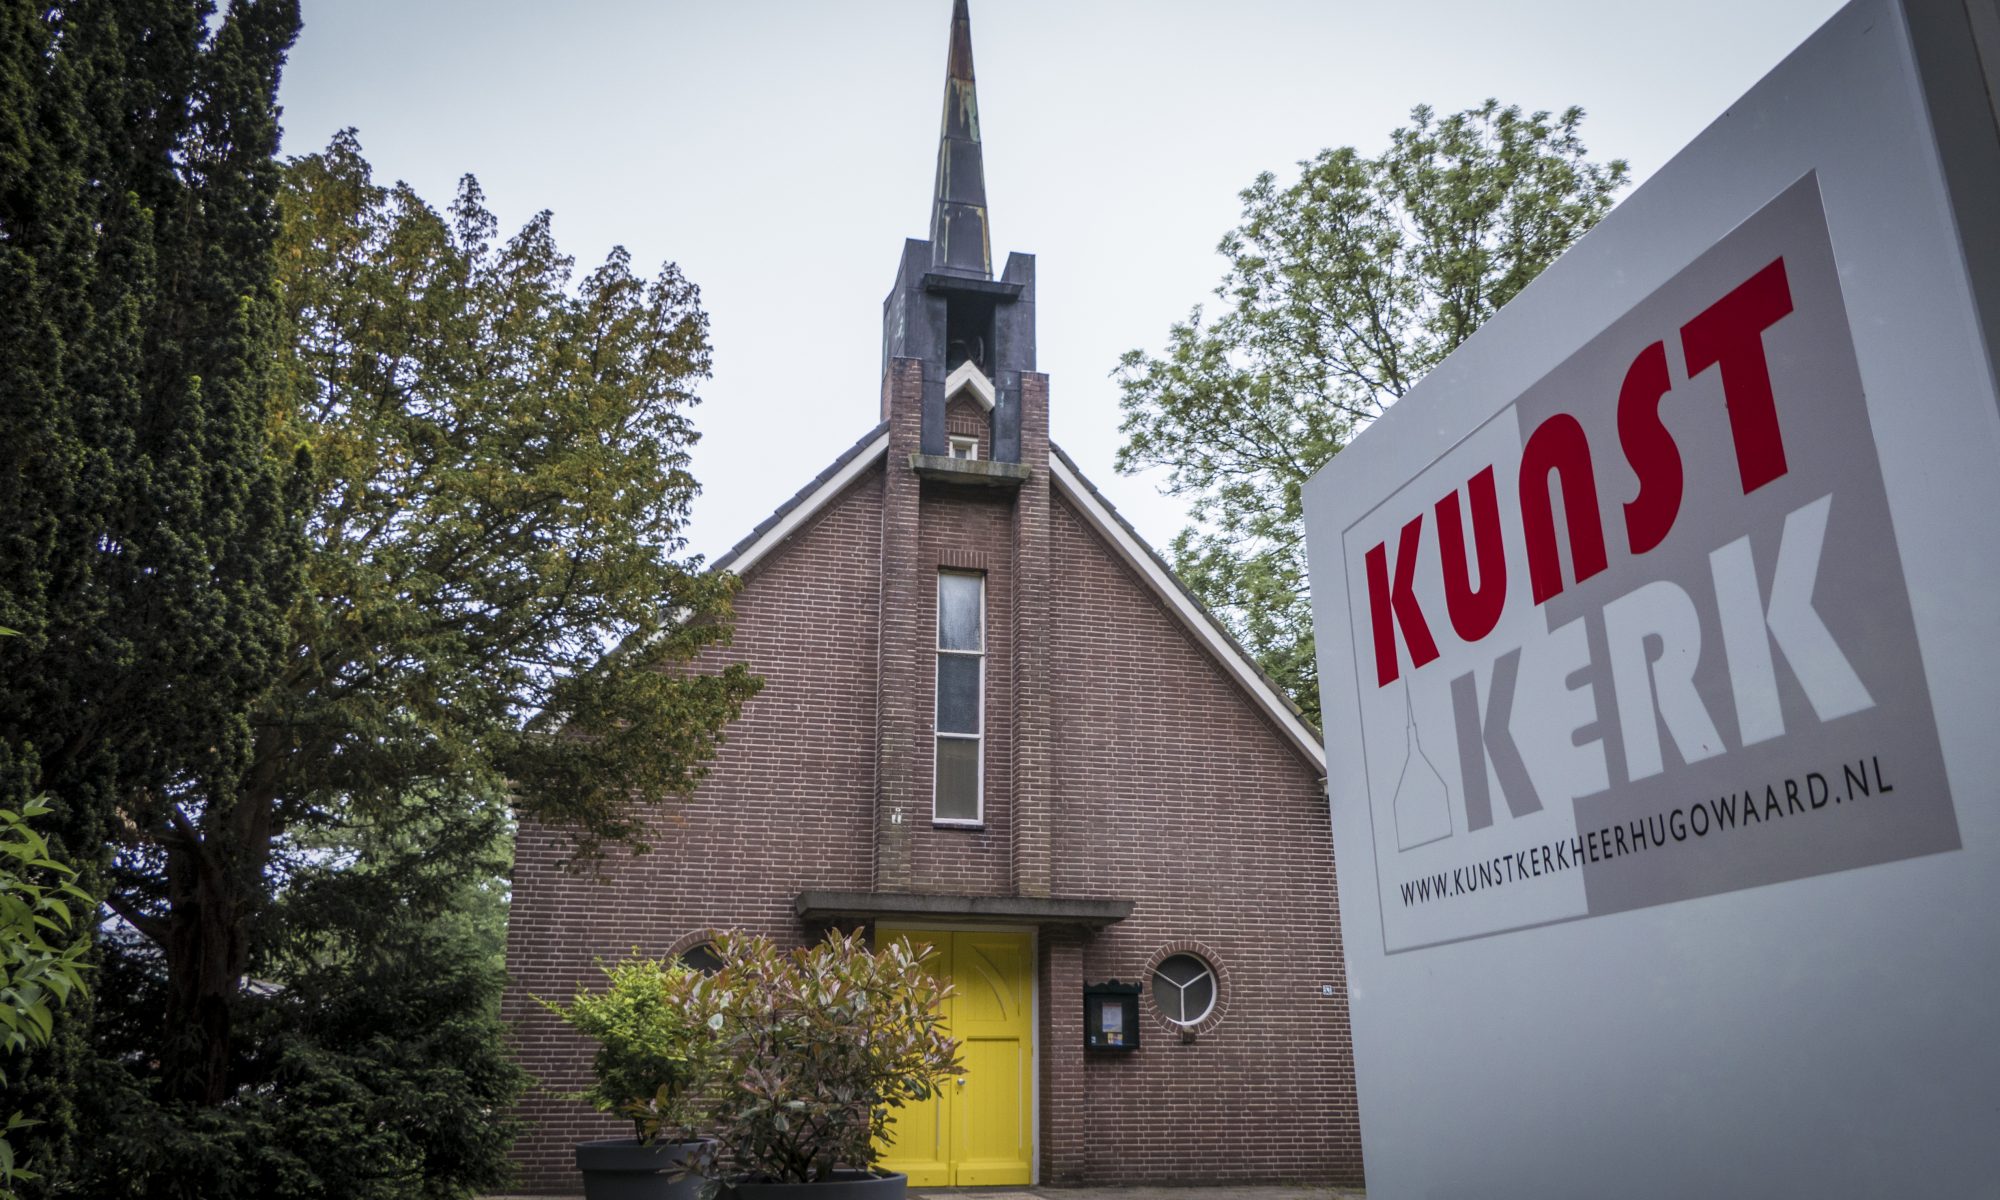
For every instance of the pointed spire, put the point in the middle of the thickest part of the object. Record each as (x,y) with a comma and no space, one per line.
(959,242)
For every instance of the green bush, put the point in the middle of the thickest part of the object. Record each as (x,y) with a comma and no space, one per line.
(658,1056)
(821,1043)
(371,1052)
(390,1085)
(36,975)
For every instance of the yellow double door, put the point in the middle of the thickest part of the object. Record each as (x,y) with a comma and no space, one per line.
(979,1129)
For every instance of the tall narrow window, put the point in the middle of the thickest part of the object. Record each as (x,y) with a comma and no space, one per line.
(961,697)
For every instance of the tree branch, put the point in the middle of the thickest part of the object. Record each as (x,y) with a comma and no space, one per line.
(152,928)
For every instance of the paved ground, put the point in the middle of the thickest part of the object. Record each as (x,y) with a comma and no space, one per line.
(1216,1192)
(1105,1193)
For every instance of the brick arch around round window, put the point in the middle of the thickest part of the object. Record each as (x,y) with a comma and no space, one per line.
(693,939)
(1216,967)
(689,940)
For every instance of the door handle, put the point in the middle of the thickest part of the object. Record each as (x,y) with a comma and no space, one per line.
(961,1081)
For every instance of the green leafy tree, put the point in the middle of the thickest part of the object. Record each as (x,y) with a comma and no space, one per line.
(371,1061)
(298,537)
(501,481)
(147,553)
(1343,289)
(41,964)
(494,477)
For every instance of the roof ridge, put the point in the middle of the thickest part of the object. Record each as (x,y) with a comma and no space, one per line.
(1200,606)
(799,497)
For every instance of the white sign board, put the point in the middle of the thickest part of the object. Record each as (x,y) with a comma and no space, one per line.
(1659,632)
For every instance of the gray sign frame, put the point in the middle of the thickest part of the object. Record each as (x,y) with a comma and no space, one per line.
(1828,1030)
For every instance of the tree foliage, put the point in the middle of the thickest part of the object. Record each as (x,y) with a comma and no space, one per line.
(370,1059)
(495,478)
(41,964)
(501,481)
(317,515)
(1343,289)
(147,553)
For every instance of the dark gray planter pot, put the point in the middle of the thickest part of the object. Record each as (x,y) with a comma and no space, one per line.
(622,1169)
(845,1185)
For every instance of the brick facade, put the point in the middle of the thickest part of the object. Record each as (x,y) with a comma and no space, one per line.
(1134,763)
(1122,761)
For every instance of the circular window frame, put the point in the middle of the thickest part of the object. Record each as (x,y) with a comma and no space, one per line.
(688,941)
(1216,969)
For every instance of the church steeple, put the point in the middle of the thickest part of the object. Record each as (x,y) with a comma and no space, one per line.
(959,241)
(973,333)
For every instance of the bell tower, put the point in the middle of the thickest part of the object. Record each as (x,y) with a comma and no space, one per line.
(974,334)
(965,490)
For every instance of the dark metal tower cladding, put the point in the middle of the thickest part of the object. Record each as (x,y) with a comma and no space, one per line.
(959,241)
(946,309)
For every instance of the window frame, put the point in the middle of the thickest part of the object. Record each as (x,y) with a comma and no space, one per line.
(1208,969)
(957,442)
(705,946)
(978,819)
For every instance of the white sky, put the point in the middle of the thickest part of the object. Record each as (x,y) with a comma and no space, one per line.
(781,150)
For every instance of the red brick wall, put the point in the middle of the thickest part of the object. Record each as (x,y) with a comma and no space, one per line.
(1120,762)
(1178,794)
(964,417)
(906,664)
(1063,1128)
(789,805)
(1029,699)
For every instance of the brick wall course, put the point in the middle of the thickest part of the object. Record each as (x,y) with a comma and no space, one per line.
(1176,792)
(788,804)
(1121,761)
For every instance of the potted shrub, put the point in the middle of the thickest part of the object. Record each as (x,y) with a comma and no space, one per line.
(656,1065)
(820,1044)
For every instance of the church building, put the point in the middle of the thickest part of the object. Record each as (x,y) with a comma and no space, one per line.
(993,721)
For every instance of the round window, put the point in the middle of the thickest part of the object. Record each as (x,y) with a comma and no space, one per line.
(1184,988)
(702,957)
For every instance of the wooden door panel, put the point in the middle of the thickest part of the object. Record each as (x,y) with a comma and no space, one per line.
(990,972)
(920,1133)
(992,1131)
(980,1129)
(990,1143)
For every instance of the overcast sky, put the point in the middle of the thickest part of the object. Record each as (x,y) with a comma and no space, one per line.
(781,150)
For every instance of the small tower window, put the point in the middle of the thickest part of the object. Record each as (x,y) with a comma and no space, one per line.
(965,447)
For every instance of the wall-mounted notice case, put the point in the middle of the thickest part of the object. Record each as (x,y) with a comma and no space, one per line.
(1111,1016)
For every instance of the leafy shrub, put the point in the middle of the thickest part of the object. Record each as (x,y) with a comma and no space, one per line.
(658,1055)
(392,1085)
(372,1057)
(36,975)
(822,1042)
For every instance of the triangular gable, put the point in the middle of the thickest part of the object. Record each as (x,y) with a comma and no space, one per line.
(1103,518)
(1117,533)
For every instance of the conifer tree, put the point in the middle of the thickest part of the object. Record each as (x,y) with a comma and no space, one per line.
(146,552)
(495,487)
